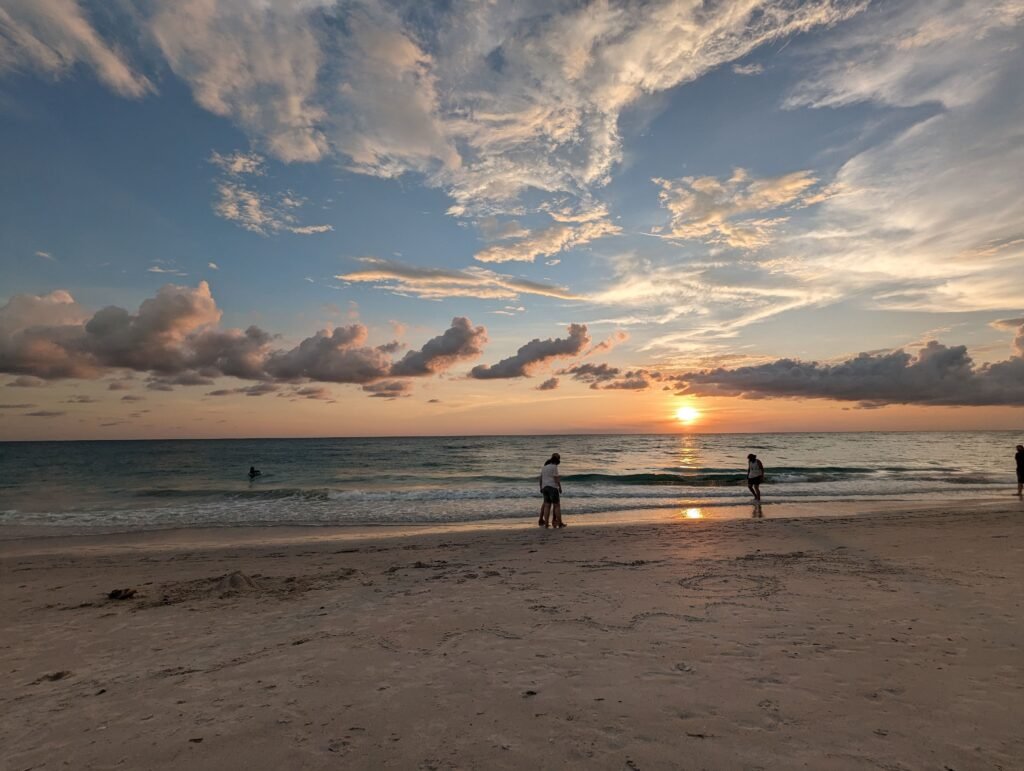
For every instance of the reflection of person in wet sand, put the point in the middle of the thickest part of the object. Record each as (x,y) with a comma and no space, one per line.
(757,514)
(551,489)
(755,476)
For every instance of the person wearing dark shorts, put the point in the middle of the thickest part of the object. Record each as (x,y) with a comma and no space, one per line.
(755,476)
(1019,457)
(551,489)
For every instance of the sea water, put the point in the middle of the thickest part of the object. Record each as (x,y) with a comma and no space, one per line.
(160,484)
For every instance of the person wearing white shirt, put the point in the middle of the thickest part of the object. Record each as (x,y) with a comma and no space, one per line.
(755,476)
(551,489)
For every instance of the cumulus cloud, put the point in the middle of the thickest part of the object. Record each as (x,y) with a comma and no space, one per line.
(534,355)
(435,283)
(52,36)
(937,375)
(338,356)
(605,376)
(175,337)
(461,341)
(722,211)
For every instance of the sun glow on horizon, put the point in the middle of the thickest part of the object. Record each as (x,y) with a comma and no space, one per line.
(688,415)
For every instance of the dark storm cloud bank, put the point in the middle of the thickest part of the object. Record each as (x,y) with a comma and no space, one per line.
(174,338)
(938,375)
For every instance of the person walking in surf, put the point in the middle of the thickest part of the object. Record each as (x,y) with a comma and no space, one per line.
(551,489)
(755,476)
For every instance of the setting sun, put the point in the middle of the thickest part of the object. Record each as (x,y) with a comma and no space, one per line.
(687,415)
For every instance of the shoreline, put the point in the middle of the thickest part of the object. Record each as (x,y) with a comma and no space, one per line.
(16,538)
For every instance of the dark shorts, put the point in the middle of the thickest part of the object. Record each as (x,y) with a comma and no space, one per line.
(755,480)
(550,494)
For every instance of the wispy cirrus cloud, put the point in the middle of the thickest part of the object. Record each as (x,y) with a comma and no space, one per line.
(488,101)
(910,219)
(550,240)
(436,283)
(52,36)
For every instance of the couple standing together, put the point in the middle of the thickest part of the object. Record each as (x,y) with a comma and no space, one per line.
(551,489)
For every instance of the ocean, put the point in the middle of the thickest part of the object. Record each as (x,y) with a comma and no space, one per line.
(190,483)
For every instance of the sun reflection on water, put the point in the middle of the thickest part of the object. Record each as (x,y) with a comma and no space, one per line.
(693,514)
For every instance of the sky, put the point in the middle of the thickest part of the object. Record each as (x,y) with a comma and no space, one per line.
(240,218)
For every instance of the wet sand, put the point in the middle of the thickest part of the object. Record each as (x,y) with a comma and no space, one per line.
(890,641)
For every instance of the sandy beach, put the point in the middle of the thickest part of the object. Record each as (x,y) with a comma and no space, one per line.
(887,641)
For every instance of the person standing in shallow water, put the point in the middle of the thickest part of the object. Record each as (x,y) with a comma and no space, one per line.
(755,476)
(1019,457)
(551,489)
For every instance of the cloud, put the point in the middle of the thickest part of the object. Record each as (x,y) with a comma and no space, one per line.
(551,240)
(719,211)
(534,355)
(617,337)
(175,338)
(748,69)
(169,271)
(388,389)
(603,376)
(548,385)
(314,392)
(487,101)
(592,373)
(435,283)
(44,414)
(459,342)
(213,266)
(261,213)
(52,36)
(16,406)
(338,356)
(80,400)
(253,62)
(937,375)
(239,164)
(131,398)
(494,230)
(46,256)
(907,228)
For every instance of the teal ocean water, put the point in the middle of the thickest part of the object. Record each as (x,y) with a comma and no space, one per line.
(159,484)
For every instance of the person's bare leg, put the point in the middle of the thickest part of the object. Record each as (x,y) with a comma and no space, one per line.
(545,511)
(556,515)
(756,489)
(750,486)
